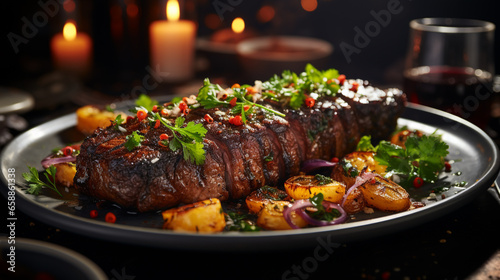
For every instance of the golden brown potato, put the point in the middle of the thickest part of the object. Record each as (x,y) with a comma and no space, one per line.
(384,194)
(354,202)
(352,164)
(89,118)
(306,186)
(260,197)
(400,137)
(65,172)
(271,217)
(203,216)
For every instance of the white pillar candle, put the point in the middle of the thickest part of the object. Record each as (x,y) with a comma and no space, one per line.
(72,51)
(172,45)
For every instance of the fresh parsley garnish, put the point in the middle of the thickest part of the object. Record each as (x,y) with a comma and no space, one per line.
(145,101)
(207,97)
(118,121)
(133,140)
(423,157)
(365,145)
(189,138)
(36,185)
(296,86)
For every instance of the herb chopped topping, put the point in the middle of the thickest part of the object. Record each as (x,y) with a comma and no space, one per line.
(322,213)
(323,180)
(133,140)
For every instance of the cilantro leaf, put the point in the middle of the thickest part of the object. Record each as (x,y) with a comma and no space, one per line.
(36,185)
(423,157)
(297,99)
(133,140)
(118,121)
(193,152)
(189,138)
(193,131)
(365,144)
(146,102)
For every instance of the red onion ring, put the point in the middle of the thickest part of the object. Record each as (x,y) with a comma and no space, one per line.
(300,205)
(313,164)
(50,160)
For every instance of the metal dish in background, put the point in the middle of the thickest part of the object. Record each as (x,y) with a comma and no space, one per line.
(42,260)
(475,155)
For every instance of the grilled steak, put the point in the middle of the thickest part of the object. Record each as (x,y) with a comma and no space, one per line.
(238,159)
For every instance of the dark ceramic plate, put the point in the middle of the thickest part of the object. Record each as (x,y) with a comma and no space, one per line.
(475,168)
(42,260)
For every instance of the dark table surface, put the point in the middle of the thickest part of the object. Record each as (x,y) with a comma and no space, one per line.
(464,244)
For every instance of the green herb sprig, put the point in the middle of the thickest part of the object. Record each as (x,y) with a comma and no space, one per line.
(36,185)
(423,157)
(189,138)
(207,97)
(134,140)
(296,86)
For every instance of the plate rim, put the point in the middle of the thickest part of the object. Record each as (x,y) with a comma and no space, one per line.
(231,241)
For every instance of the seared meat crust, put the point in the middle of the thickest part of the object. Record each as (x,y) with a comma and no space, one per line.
(238,159)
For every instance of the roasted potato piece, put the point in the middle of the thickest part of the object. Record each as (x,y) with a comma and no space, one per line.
(262,196)
(65,172)
(354,202)
(89,118)
(306,186)
(271,217)
(400,137)
(203,216)
(384,194)
(352,164)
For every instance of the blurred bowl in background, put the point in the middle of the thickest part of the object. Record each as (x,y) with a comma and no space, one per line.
(260,58)
(219,49)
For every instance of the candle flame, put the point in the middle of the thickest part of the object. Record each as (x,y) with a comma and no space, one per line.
(238,25)
(173,10)
(69,31)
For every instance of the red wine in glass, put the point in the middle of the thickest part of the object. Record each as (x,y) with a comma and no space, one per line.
(463,91)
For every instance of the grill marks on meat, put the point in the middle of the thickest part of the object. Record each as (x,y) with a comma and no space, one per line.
(238,159)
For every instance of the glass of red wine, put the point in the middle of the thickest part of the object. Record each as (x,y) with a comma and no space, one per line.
(450,66)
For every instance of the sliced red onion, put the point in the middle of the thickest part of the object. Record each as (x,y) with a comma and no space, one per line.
(50,160)
(313,164)
(300,206)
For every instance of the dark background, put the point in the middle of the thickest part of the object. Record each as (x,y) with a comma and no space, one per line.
(124,60)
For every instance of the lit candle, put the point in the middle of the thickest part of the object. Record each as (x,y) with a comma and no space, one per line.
(72,51)
(172,45)
(232,36)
